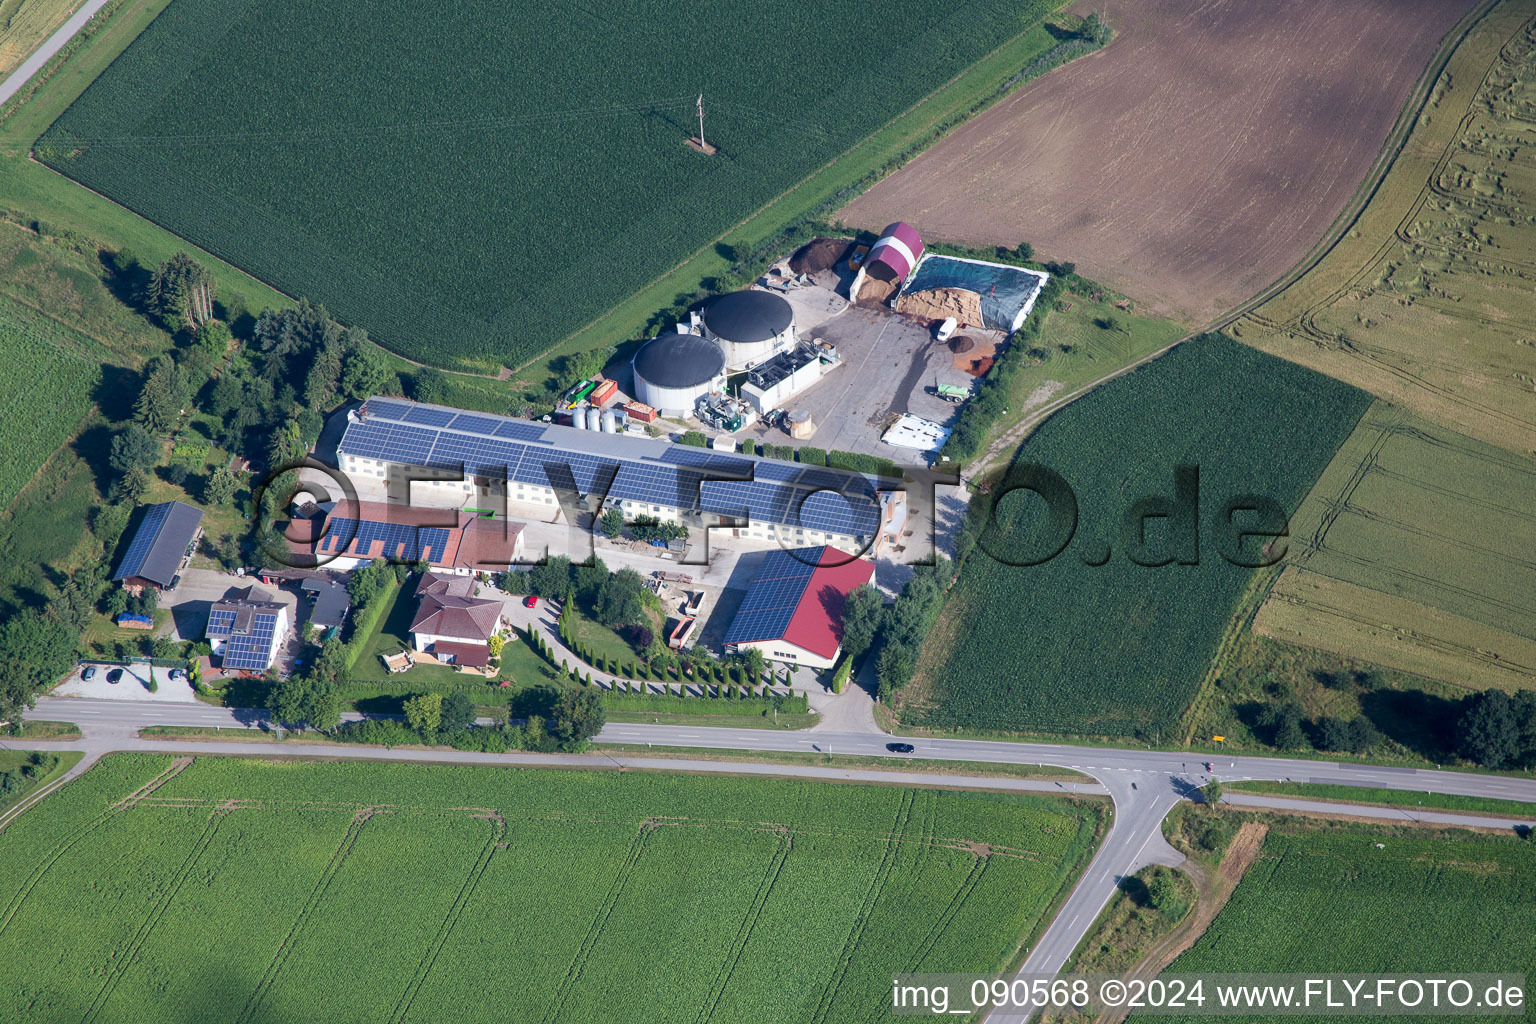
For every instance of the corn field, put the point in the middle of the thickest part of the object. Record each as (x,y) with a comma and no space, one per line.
(345,891)
(498,188)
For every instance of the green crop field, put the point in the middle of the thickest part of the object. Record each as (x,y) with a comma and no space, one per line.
(243,890)
(501,187)
(49,388)
(1118,648)
(1334,901)
(1415,550)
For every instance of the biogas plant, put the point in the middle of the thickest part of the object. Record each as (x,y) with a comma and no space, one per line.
(919,330)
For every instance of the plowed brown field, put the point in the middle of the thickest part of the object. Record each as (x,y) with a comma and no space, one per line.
(1191,162)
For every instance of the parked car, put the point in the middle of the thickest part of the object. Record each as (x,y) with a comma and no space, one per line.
(947,329)
(900,748)
(177,673)
(89,672)
(530,601)
(115,676)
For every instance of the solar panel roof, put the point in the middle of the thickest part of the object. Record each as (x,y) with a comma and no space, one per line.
(616,466)
(160,542)
(250,650)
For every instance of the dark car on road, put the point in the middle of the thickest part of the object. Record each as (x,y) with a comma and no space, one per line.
(115,676)
(900,748)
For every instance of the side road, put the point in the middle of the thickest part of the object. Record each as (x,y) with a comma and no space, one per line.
(43,54)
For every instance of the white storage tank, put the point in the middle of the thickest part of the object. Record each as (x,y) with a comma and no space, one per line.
(673,370)
(750,326)
(610,422)
(594,418)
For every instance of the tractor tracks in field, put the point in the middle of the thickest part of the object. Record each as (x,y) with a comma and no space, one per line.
(493,843)
(315,898)
(127,959)
(744,932)
(599,922)
(882,876)
(46,864)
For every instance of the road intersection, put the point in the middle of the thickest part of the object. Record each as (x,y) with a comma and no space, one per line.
(1144,785)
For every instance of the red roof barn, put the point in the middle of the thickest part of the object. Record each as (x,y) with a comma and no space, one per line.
(793,610)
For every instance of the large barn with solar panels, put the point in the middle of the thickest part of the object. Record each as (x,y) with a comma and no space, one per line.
(246,632)
(793,609)
(160,545)
(582,472)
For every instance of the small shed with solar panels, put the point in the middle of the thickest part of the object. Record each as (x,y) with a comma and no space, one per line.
(793,608)
(247,631)
(159,546)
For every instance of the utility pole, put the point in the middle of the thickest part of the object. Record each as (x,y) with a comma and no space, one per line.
(702,144)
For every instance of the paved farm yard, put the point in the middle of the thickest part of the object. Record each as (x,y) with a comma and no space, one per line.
(891,365)
(1194,160)
(273,892)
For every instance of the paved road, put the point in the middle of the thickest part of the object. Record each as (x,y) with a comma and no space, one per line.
(43,54)
(1416,815)
(1144,785)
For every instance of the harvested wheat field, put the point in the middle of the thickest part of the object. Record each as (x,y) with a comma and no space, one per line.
(1191,162)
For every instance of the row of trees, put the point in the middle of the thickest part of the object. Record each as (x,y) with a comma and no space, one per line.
(1496,730)
(900,628)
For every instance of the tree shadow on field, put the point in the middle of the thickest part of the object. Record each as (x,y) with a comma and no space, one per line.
(126,285)
(1136,889)
(1422,722)
(1059,33)
(94,446)
(116,392)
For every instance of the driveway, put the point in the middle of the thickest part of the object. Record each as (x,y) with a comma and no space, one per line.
(201,588)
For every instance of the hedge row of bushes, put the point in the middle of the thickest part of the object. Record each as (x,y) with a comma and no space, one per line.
(364,620)
(731,704)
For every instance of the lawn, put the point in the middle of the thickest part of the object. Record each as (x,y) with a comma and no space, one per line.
(1090,642)
(1362,900)
(510,895)
(453,214)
